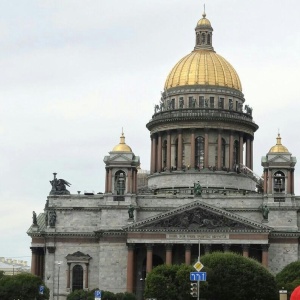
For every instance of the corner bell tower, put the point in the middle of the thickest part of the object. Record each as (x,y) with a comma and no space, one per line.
(279,169)
(121,171)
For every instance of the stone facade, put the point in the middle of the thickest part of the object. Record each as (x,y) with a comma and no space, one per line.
(201,188)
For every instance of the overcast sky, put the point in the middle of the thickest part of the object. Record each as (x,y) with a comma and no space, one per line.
(73,73)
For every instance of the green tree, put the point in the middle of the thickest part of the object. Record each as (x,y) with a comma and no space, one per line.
(232,276)
(23,287)
(106,295)
(81,295)
(289,277)
(167,282)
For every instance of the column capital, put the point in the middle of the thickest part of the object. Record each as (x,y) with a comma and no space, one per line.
(34,250)
(149,247)
(130,246)
(265,247)
(169,246)
(246,247)
(207,248)
(226,247)
(51,249)
(188,246)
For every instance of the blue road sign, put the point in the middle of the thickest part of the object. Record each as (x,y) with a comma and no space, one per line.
(97,294)
(198,276)
(41,289)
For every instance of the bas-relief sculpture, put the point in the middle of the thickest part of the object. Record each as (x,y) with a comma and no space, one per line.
(199,219)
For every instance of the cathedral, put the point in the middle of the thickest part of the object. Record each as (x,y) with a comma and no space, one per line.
(201,189)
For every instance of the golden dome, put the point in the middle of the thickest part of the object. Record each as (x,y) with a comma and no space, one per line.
(278,147)
(122,147)
(203,67)
(204,21)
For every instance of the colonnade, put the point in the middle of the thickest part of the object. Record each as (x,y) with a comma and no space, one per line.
(160,138)
(130,180)
(187,257)
(37,261)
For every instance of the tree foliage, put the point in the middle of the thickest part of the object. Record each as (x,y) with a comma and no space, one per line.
(229,276)
(168,282)
(289,277)
(22,286)
(106,295)
(232,276)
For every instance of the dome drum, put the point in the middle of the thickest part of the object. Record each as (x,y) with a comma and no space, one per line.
(211,118)
(207,179)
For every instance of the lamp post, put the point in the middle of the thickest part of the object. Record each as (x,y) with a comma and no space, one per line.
(58,263)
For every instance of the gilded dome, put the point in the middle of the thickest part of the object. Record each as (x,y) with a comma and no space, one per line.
(278,147)
(204,21)
(203,67)
(122,147)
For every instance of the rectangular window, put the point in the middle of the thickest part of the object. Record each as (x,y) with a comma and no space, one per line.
(181,102)
(191,101)
(201,101)
(221,103)
(211,102)
(173,104)
(236,105)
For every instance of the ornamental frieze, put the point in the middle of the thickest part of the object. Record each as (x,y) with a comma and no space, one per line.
(199,218)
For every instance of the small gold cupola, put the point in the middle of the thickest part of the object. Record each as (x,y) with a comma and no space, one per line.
(278,147)
(122,147)
(204,34)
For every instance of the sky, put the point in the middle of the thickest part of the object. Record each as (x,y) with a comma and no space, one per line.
(73,73)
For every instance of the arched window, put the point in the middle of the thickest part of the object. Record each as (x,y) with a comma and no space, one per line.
(199,152)
(120,185)
(203,38)
(164,149)
(208,39)
(77,276)
(236,151)
(223,153)
(279,182)
(198,39)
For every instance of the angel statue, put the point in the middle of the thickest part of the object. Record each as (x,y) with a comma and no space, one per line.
(59,186)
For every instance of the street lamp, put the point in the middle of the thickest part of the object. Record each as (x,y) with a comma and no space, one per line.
(58,263)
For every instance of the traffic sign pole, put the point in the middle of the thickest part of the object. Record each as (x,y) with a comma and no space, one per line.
(198,282)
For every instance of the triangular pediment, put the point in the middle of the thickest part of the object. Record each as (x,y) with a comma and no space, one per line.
(196,217)
(280,158)
(119,158)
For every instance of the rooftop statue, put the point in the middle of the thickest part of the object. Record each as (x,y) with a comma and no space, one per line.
(265,211)
(59,186)
(34,218)
(197,189)
(131,209)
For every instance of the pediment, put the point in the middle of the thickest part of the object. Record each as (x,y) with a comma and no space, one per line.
(78,256)
(120,158)
(196,217)
(280,159)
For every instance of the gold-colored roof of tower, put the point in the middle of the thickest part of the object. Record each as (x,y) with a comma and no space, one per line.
(204,21)
(122,147)
(278,147)
(203,66)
